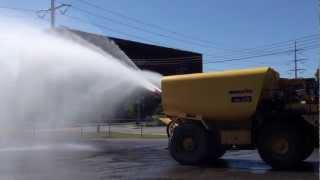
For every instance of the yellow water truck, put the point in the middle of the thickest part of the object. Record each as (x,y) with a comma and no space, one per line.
(210,113)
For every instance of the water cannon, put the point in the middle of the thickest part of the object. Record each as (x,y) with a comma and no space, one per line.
(157,92)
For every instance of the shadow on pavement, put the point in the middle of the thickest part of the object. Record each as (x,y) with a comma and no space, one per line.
(247,164)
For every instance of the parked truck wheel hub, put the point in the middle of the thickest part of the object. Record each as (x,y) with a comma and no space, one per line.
(280,146)
(188,144)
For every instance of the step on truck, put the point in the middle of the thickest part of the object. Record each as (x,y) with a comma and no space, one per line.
(209,113)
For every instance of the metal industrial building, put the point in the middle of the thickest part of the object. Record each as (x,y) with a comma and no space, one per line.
(164,60)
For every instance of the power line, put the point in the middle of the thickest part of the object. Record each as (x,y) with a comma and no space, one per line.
(305,39)
(139,28)
(80,20)
(251,53)
(249,57)
(151,25)
(142,29)
(141,22)
(86,22)
(268,50)
(177,59)
(257,56)
(165,63)
(111,29)
(308,42)
(22,10)
(268,53)
(181,58)
(288,41)
(261,55)
(19,9)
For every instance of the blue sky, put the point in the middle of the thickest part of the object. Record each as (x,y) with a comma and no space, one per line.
(227,24)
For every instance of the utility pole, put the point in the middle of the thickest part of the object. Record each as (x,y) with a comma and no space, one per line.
(53,8)
(295,61)
(52,11)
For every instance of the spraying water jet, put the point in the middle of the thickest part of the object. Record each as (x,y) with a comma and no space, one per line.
(51,80)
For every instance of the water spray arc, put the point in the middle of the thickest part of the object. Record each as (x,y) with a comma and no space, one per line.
(62,81)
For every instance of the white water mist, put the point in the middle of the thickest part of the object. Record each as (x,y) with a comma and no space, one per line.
(47,79)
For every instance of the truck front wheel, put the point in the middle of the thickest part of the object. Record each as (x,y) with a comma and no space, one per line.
(215,149)
(279,145)
(188,144)
(309,138)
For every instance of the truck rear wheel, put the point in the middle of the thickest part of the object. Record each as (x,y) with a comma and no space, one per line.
(280,145)
(188,144)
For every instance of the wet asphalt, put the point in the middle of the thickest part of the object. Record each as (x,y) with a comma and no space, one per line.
(132,159)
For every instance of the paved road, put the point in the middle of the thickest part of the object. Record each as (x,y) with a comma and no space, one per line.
(131,159)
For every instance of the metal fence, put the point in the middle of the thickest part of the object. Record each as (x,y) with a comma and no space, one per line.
(108,128)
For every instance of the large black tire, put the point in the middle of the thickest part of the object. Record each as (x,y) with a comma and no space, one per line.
(215,149)
(280,145)
(188,144)
(309,136)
